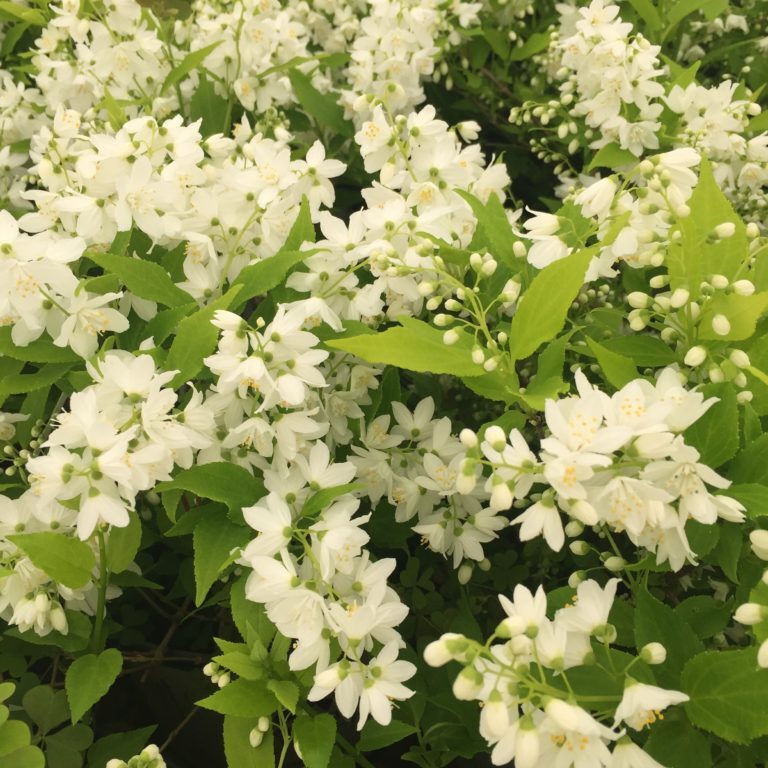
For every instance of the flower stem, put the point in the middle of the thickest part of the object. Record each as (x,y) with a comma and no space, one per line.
(98,639)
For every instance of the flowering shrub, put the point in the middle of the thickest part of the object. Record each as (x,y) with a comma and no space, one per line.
(383,381)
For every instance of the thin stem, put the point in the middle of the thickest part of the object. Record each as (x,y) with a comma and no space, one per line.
(286,736)
(178,729)
(98,638)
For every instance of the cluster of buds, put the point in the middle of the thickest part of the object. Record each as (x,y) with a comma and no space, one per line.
(149,757)
(219,676)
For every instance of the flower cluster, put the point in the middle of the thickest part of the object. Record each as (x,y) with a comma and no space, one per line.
(530,713)
(617,461)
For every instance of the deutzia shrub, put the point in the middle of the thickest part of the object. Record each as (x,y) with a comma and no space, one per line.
(383,382)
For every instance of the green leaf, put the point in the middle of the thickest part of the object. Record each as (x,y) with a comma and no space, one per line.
(241,664)
(742,312)
(617,369)
(728,550)
(39,351)
(196,338)
(14,735)
(536,43)
(320,500)
(20,383)
(214,539)
(753,496)
(189,63)
(21,12)
(121,746)
(705,615)
(145,279)
(123,544)
(716,434)
(676,744)
(322,106)
(46,707)
(416,346)
(260,278)
(89,678)
(220,481)
(657,622)
(680,9)
(375,736)
(66,560)
(494,229)
(26,757)
(643,350)
(208,106)
(78,737)
(287,693)
(237,746)
(543,307)
(242,698)
(647,12)
(694,258)
(729,694)
(315,736)
(246,613)
(750,465)
(165,322)
(612,156)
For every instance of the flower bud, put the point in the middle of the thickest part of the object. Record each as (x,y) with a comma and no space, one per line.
(468,438)
(255,737)
(264,724)
(467,684)
(695,356)
(615,563)
(494,718)
(450,337)
(744,287)
(762,655)
(739,358)
(584,512)
(749,613)
(725,230)
(753,230)
(638,300)
(579,547)
(720,282)
(465,573)
(653,653)
(576,578)
(438,653)
(759,541)
(721,325)
(679,298)
(496,437)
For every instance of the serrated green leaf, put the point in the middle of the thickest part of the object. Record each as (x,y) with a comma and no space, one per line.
(219,481)
(537,42)
(728,694)
(742,312)
(21,383)
(494,229)
(676,744)
(206,105)
(693,258)
(241,664)
(123,544)
(656,622)
(415,346)
(612,156)
(46,707)
(286,692)
(214,539)
(145,279)
(39,351)
(316,736)
(715,435)
(23,13)
(323,107)
(648,351)
(196,338)
(543,308)
(66,560)
(617,369)
(753,496)
(89,678)
(242,698)
(237,746)
(188,64)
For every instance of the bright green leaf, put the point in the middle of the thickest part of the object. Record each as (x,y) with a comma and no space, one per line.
(237,746)
(543,307)
(89,678)
(65,559)
(617,369)
(316,736)
(321,499)
(323,107)
(242,698)
(123,544)
(742,313)
(716,434)
(188,64)
(729,694)
(287,693)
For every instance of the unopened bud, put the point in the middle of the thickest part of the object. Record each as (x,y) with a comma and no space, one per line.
(653,653)
(749,613)
(695,356)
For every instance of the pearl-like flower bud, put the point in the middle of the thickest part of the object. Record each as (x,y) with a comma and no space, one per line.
(759,541)
(469,438)
(496,437)
(695,356)
(725,230)
(467,684)
(450,337)
(721,325)
(743,287)
(638,300)
(443,650)
(739,358)
(653,653)
(749,614)
(679,298)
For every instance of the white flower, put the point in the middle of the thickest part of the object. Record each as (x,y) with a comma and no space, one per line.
(642,704)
